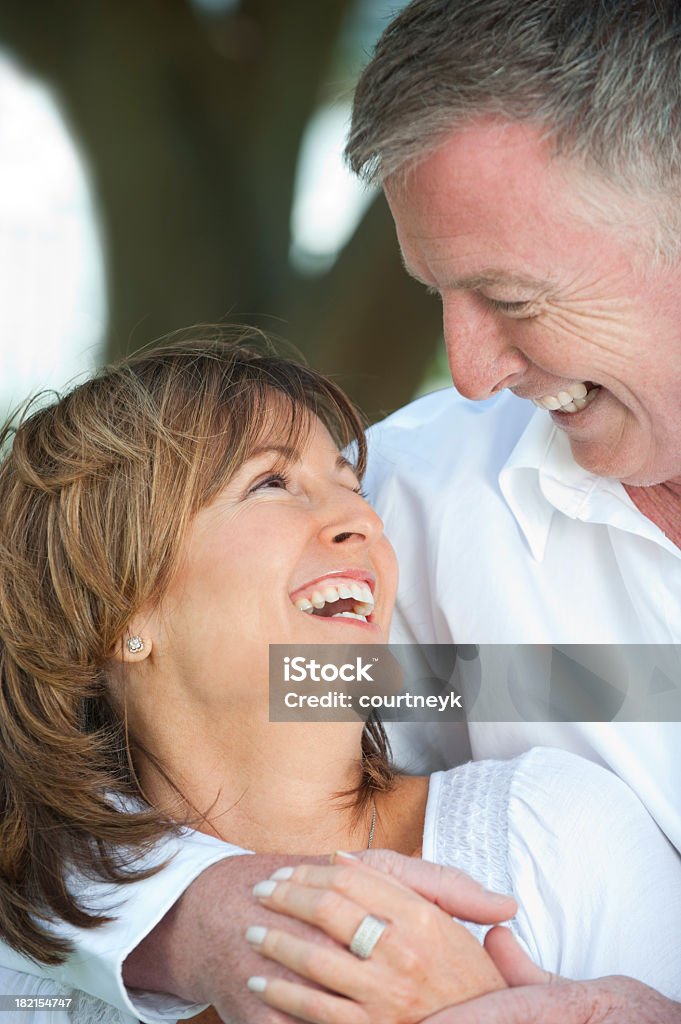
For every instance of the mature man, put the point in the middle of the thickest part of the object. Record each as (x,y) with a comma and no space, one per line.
(529,156)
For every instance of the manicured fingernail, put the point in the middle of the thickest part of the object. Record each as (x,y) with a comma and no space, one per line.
(497,897)
(257,984)
(264,889)
(256,934)
(282,874)
(343,853)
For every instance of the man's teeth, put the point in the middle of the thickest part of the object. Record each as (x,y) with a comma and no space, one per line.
(359,593)
(573,398)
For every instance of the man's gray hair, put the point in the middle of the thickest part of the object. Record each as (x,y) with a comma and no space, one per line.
(601,78)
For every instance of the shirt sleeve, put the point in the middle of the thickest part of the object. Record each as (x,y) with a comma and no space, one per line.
(96,964)
(598,884)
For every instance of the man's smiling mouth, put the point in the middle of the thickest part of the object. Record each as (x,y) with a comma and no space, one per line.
(570,399)
(336,597)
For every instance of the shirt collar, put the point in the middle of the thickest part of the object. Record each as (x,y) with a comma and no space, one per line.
(540,478)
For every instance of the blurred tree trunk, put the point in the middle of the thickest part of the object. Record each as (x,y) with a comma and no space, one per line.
(191,130)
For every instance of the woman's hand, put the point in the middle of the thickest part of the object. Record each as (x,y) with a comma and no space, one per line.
(422,962)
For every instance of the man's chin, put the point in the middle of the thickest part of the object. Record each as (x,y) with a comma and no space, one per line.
(624,467)
(603,460)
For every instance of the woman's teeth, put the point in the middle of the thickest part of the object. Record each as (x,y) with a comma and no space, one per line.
(358,594)
(572,399)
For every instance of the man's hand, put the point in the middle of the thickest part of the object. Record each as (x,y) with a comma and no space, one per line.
(542,998)
(198,951)
(452,890)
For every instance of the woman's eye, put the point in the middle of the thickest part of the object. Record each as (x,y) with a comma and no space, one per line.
(276,481)
(362,493)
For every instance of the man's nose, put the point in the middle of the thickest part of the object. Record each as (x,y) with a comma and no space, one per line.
(483,357)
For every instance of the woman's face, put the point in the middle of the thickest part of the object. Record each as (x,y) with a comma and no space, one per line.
(288,552)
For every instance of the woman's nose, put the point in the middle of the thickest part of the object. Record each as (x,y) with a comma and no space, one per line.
(351,520)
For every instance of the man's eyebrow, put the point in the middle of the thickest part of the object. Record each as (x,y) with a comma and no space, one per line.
(485,278)
(492,276)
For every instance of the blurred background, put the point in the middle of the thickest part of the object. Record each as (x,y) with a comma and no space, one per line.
(169,162)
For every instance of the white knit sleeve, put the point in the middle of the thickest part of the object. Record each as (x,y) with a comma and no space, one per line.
(34,1000)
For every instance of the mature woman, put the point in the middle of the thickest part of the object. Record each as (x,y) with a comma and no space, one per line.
(160,526)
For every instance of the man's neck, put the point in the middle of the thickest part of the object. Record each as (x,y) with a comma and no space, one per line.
(660,503)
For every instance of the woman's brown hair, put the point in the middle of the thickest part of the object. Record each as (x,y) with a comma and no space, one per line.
(96,493)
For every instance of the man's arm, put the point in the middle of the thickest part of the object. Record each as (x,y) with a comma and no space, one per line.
(198,951)
(542,998)
(95,963)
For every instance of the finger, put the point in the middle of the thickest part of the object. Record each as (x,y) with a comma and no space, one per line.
(307,1003)
(368,889)
(513,963)
(328,910)
(332,968)
(452,890)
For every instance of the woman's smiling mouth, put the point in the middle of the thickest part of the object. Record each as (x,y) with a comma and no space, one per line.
(338,595)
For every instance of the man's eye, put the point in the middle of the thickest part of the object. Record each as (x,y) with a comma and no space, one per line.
(508,307)
(276,481)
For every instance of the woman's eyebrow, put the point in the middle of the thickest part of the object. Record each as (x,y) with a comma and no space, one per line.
(281,449)
(294,456)
(343,463)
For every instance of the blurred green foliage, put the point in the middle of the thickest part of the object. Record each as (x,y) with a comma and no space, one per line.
(190,116)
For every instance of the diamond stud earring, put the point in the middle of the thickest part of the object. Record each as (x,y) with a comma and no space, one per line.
(135,644)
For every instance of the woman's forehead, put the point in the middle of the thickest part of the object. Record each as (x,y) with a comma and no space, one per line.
(284,424)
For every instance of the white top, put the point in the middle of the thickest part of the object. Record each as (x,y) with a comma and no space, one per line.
(597,883)
(96,966)
(502,538)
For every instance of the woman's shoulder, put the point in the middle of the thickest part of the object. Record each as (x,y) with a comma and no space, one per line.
(557,782)
(545,793)
(597,884)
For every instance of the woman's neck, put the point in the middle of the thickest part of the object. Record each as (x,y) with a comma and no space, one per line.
(269,787)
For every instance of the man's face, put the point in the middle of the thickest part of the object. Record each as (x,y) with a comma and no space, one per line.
(545,290)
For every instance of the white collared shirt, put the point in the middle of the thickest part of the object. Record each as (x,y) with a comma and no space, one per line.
(503,539)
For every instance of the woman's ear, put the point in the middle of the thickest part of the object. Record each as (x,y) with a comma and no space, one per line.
(133,646)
